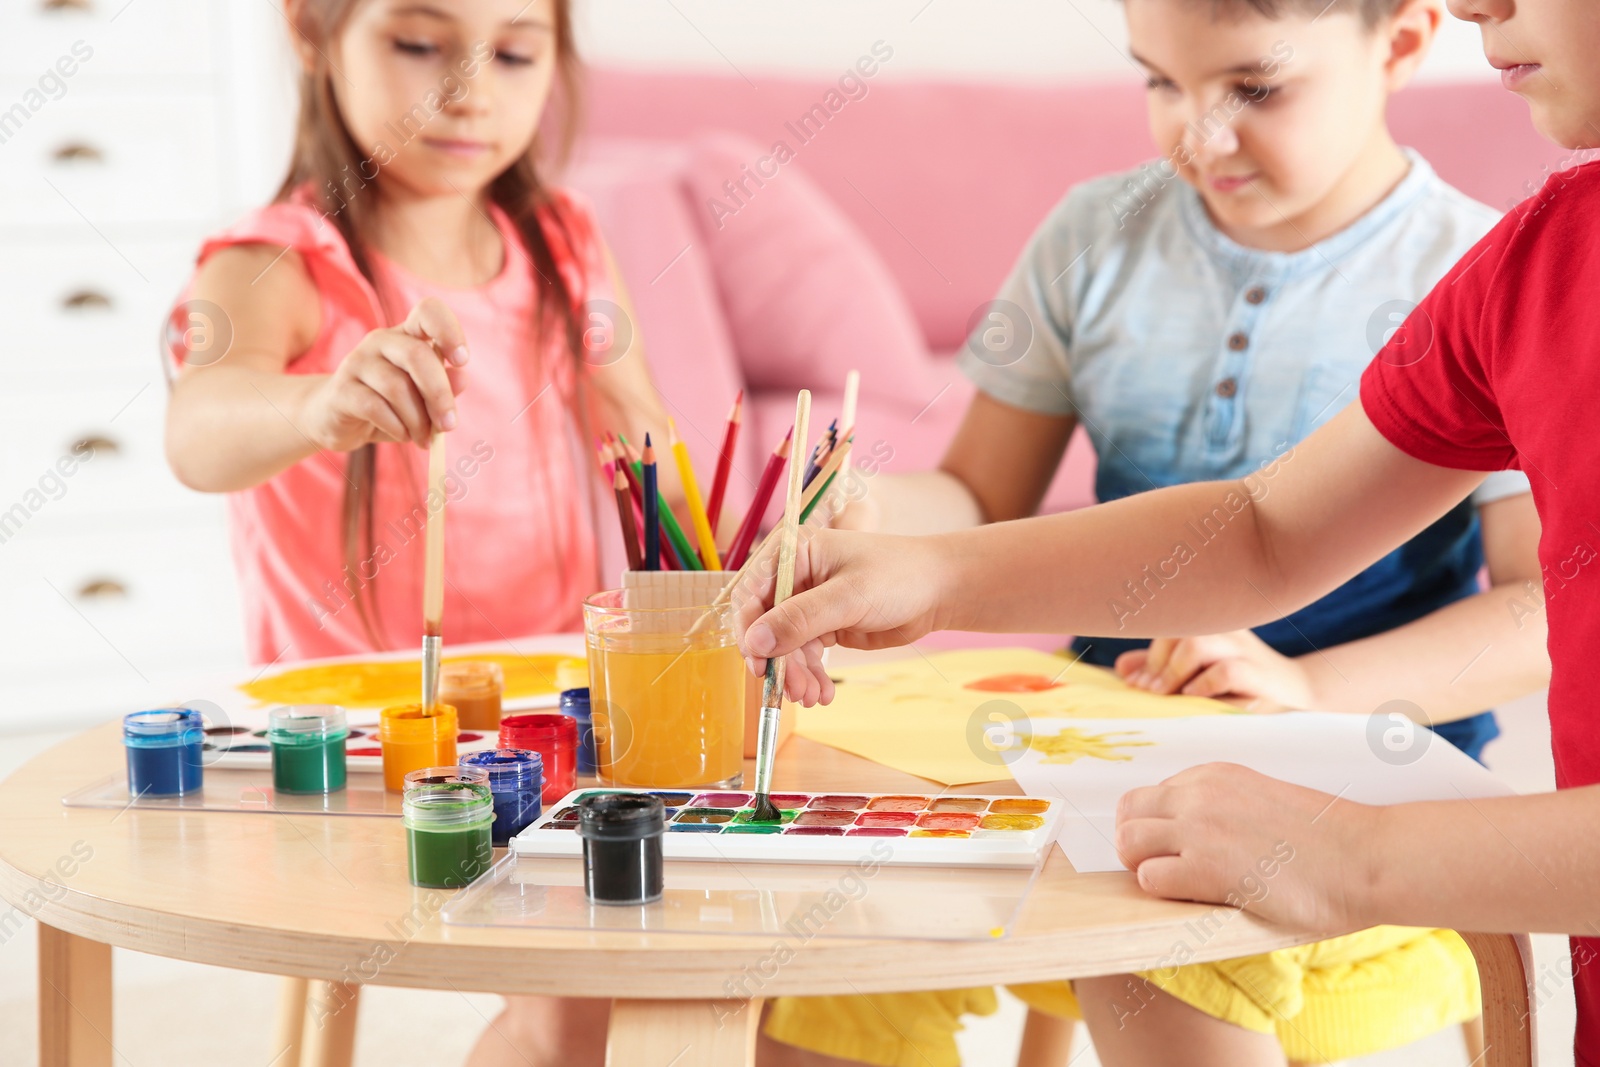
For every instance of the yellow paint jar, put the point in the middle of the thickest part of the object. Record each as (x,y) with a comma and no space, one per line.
(412,741)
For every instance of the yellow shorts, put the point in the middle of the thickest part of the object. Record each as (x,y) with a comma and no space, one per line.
(1331,1000)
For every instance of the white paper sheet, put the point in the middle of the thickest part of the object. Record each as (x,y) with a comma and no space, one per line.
(1368,760)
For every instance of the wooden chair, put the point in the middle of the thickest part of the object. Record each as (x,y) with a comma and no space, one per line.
(1502,1037)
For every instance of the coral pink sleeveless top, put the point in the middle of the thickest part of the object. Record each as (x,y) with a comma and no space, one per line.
(519,545)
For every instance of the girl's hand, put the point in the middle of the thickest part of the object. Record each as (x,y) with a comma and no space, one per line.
(1236,664)
(393,386)
(1225,834)
(857,590)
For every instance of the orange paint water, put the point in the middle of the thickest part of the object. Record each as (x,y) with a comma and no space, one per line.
(665,719)
(1014,683)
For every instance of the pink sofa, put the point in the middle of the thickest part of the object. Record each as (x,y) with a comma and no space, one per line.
(902,208)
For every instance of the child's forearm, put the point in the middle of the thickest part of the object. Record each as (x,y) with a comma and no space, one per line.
(232,428)
(1118,569)
(1508,864)
(1453,663)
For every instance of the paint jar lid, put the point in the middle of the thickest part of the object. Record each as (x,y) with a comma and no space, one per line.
(406,724)
(538,728)
(621,816)
(442,797)
(507,768)
(471,676)
(306,722)
(575,702)
(172,725)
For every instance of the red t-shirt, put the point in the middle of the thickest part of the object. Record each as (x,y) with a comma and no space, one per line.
(1500,367)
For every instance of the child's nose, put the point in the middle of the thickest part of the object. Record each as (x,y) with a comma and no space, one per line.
(1211,135)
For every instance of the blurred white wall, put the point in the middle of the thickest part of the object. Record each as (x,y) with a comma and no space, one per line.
(1020,39)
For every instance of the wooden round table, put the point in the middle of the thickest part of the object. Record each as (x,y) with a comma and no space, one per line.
(327,899)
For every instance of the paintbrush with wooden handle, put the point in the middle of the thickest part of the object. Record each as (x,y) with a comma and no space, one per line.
(772,686)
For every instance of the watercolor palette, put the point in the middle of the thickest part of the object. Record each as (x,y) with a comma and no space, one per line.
(921,830)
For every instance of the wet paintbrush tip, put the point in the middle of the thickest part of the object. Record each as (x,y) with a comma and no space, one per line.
(763,810)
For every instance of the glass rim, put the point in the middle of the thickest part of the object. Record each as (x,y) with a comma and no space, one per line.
(589,604)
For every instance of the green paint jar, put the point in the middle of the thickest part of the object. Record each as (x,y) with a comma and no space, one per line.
(448,814)
(307,748)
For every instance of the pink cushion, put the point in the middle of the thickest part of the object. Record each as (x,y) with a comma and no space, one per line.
(805,295)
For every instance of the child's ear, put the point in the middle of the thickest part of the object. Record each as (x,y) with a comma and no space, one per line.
(294,11)
(1409,33)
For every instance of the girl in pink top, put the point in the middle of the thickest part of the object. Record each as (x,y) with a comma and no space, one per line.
(412,250)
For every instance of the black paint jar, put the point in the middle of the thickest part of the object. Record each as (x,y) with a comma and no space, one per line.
(622,847)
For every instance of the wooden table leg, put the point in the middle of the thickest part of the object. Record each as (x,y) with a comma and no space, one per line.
(682,1033)
(1505,971)
(330,1028)
(74,1000)
(290,1027)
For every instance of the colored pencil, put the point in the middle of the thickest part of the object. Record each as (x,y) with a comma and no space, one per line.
(652,521)
(818,453)
(691,494)
(826,476)
(808,500)
(630,529)
(746,536)
(719,484)
(772,685)
(670,560)
(673,543)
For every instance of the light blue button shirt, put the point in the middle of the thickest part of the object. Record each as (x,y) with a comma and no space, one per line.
(1187,356)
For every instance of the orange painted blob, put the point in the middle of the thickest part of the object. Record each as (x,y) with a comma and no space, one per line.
(1020,806)
(1012,822)
(1014,683)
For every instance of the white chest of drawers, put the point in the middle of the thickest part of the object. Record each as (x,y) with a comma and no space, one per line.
(124,138)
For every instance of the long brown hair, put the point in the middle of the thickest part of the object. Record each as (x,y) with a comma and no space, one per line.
(326,157)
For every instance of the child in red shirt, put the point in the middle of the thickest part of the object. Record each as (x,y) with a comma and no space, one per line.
(1499,367)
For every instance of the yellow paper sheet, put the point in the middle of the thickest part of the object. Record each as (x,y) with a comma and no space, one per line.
(384,683)
(922,716)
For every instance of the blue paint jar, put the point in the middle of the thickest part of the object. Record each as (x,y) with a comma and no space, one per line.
(515,779)
(163,751)
(575,703)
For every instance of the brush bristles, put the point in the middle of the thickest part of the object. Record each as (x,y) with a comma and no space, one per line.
(764,810)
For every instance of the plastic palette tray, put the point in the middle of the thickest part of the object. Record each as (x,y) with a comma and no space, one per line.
(921,830)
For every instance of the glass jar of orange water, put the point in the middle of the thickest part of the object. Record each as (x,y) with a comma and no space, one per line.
(667,692)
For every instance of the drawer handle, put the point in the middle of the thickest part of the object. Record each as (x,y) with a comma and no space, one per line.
(86,300)
(65,5)
(79,152)
(102,589)
(95,445)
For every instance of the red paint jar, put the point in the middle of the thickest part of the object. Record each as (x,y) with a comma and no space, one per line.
(555,737)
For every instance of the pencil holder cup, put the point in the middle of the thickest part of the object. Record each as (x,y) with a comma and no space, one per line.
(666,693)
